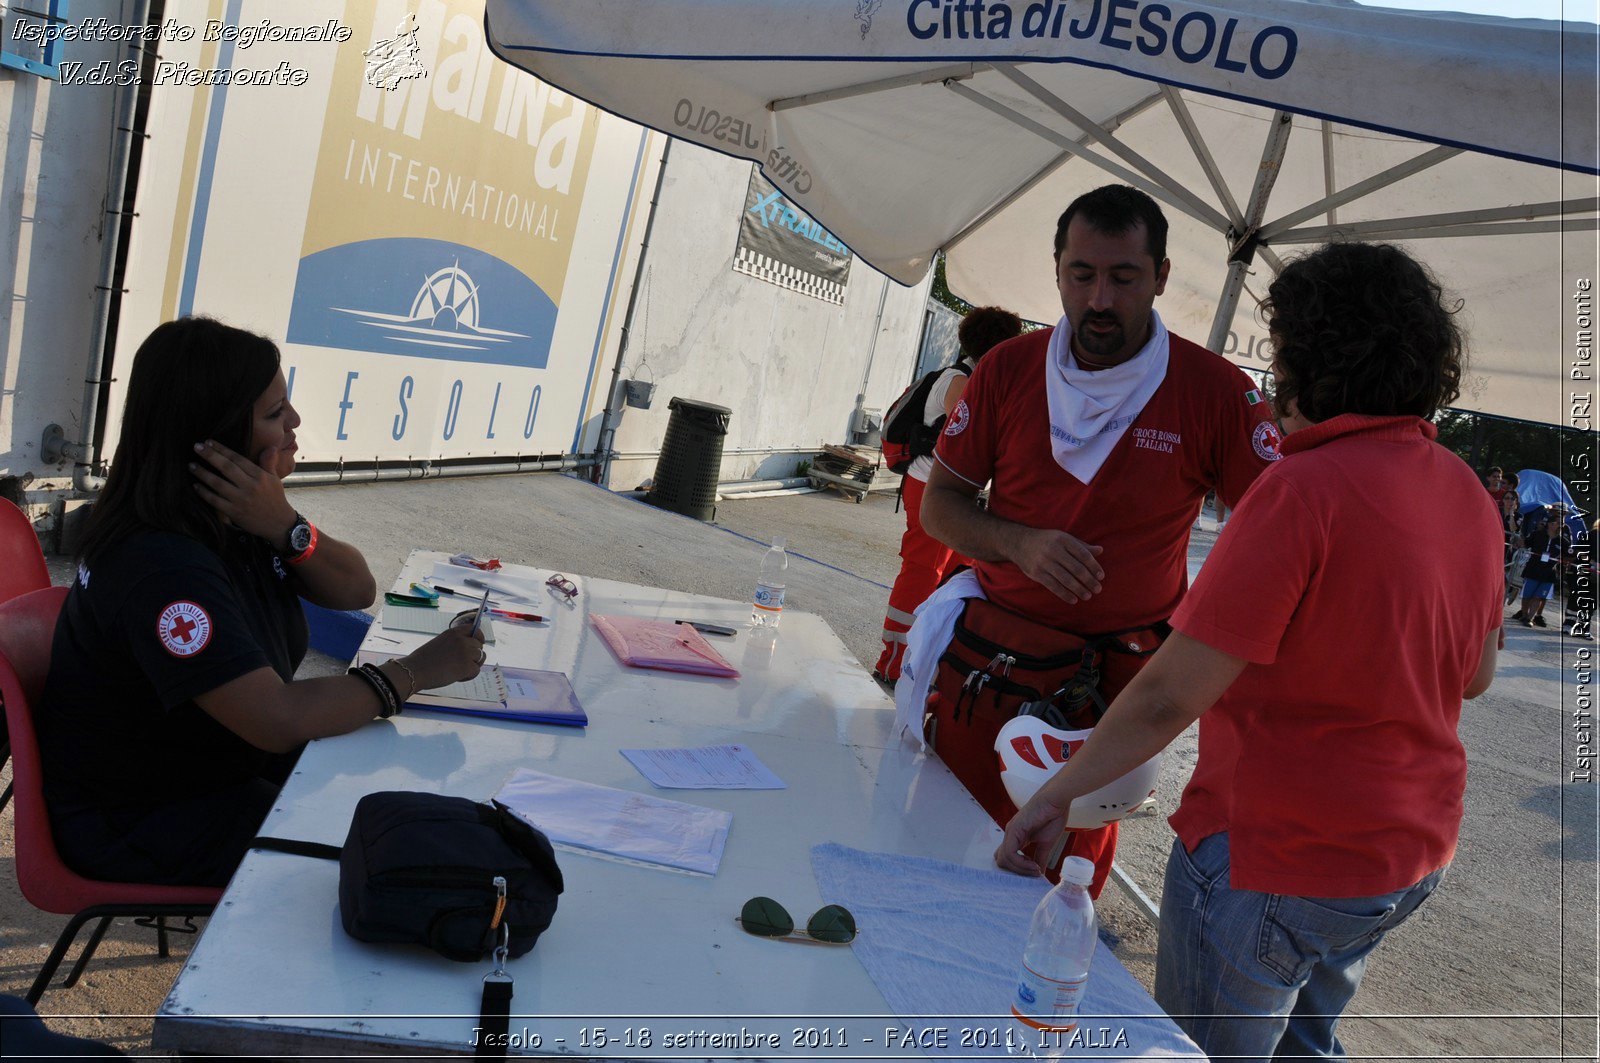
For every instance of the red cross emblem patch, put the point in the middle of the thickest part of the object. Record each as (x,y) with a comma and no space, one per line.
(184,629)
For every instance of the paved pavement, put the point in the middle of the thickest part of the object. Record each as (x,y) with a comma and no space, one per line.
(1516,911)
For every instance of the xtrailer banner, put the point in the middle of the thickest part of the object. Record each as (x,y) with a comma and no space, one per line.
(782,244)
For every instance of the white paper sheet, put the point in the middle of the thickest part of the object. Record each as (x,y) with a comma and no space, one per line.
(626,824)
(733,767)
(501,584)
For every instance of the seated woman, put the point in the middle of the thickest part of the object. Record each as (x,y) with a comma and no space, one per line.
(171,715)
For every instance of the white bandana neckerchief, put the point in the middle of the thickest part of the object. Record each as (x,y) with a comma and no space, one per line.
(1090,410)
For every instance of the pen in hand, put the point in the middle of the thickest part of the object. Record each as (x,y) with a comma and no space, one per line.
(483,607)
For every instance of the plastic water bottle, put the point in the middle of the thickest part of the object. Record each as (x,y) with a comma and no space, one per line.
(1055,964)
(768,607)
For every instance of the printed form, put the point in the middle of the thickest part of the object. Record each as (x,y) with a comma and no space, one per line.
(704,768)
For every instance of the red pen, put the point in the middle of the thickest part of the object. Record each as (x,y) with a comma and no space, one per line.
(509,615)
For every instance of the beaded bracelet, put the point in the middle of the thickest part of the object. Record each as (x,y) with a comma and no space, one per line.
(383,677)
(388,697)
(411,677)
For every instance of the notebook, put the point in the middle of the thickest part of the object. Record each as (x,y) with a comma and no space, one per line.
(505,693)
(661,644)
(502,693)
(425,621)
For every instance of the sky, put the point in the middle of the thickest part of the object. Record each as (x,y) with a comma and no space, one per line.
(1569,10)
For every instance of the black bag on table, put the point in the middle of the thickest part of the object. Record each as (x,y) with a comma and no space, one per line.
(421,868)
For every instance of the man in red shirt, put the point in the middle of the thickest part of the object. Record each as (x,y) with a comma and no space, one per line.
(1495,481)
(1100,438)
(1325,649)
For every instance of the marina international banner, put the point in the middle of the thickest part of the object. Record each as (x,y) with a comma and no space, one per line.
(433,237)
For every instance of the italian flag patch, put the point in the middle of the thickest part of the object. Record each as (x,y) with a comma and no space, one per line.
(1252,397)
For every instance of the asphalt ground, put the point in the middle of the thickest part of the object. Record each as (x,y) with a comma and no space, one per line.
(1486,969)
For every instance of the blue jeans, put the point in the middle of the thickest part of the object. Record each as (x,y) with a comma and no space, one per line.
(1264,975)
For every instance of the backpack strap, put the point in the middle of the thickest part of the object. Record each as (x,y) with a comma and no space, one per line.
(294,847)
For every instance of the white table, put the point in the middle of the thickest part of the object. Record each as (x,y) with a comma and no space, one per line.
(631,946)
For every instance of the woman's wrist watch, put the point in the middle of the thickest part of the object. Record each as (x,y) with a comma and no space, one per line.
(302,540)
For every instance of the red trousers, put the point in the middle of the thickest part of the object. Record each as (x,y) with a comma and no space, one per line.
(924,561)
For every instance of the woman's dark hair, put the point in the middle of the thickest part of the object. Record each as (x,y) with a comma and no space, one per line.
(984,327)
(192,379)
(1362,328)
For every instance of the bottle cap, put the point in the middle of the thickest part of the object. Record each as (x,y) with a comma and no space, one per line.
(1077,870)
(780,543)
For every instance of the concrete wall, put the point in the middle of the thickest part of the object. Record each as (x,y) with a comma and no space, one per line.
(789,366)
(55,149)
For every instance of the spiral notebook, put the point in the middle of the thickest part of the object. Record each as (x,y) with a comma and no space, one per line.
(500,692)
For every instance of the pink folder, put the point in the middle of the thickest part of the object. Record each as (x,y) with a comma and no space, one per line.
(661,644)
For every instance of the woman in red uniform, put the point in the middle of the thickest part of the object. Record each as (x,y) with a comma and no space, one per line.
(924,560)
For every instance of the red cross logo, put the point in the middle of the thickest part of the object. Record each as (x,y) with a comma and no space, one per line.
(184,629)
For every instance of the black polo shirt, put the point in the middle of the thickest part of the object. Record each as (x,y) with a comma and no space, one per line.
(157,620)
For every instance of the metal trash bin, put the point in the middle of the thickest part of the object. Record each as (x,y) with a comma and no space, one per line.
(691,459)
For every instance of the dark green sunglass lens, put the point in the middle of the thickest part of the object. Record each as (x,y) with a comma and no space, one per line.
(834,924)
(766,918)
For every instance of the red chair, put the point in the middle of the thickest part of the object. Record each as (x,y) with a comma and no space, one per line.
(22,569)
(27,625)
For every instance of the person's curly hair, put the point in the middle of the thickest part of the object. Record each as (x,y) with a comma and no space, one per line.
(984,327)
(1362,328)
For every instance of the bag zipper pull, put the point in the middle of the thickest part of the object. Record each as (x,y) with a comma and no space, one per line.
(977,690)
(499,902)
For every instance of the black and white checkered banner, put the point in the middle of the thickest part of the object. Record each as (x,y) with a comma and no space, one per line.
(781,244)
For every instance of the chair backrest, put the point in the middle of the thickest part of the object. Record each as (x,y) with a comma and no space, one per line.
(22,567)
(27,626)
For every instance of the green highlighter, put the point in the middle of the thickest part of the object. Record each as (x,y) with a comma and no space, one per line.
(417,600)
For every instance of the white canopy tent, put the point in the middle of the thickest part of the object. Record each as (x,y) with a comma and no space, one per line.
(913,126)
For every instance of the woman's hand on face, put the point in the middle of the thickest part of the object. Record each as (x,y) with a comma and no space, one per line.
(249,494)
(451,657)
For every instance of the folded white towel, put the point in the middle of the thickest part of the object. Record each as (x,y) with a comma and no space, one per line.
(925,644)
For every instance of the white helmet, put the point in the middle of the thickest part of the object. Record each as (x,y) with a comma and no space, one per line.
(1031,751)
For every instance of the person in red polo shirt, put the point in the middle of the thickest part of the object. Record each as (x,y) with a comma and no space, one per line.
(1101,437)
(1325,649)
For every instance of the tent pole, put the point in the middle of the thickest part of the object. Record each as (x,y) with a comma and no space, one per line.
(1245,242)
(1202,153)
(1200,208)
(1330,180)
(1066,143)
(1436,226)
(1393,174)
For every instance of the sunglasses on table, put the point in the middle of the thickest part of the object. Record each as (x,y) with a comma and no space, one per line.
(563,586)
(766,918)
